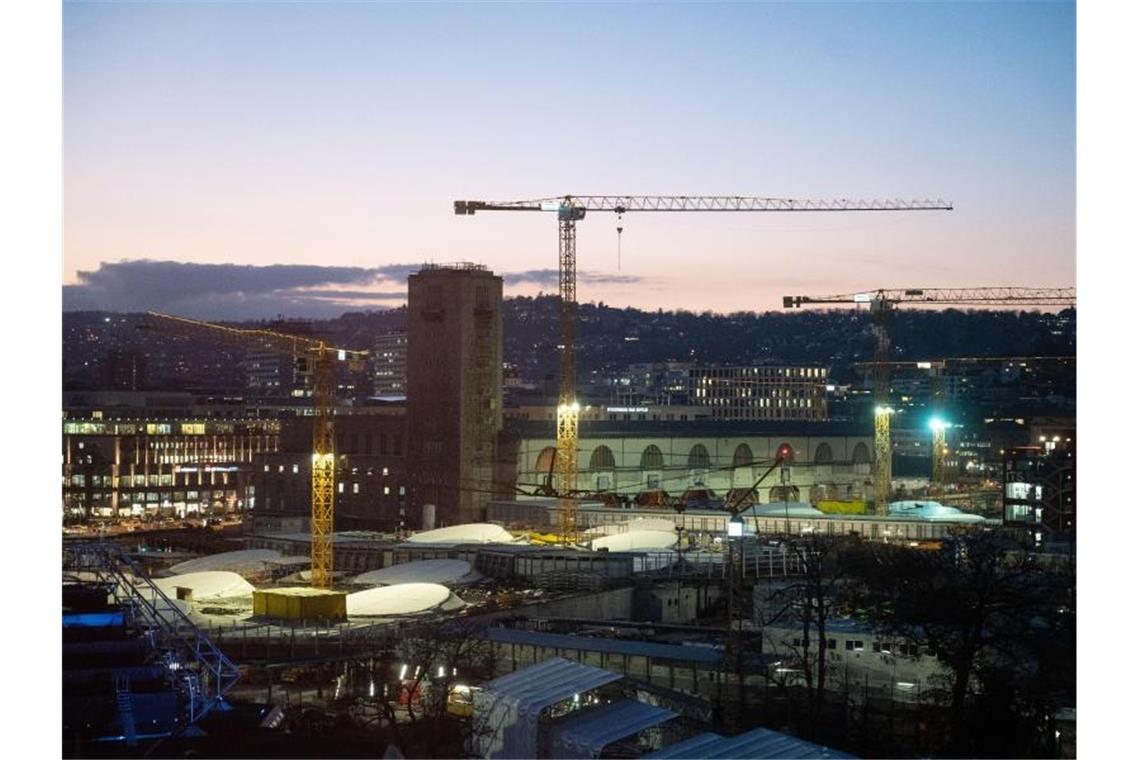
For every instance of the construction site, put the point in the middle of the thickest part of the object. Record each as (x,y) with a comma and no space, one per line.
(550,617)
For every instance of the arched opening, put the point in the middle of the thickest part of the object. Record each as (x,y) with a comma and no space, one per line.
(545,460)
(860,455)
(823,454)
(602,460)
(742,457)
(698,457)
(652,459)
(742,472)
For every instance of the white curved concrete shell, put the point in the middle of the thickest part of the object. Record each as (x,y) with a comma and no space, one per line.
(782,509)
(932,511)
(217,584)
(244,561)
(469,533)
(636,541)
(443,571)
(404,599)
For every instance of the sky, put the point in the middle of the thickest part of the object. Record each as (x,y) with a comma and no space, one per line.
(249,159)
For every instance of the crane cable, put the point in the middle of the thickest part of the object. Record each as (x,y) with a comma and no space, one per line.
(619,229)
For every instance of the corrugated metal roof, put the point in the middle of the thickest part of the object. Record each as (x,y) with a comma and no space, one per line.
(549,682)
(509,707)
(702,655)
(588,731)
(758,744)
(691,747)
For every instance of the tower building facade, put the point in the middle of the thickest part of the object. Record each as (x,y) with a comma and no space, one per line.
(454,390)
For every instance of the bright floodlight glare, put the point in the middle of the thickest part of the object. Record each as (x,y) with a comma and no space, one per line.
(735,527)
(937,423)
(884,410)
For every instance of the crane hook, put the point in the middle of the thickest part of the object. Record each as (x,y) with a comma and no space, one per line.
(619,229)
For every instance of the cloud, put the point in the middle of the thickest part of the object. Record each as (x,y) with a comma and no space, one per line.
(243,291)
(231,291)
(550,277)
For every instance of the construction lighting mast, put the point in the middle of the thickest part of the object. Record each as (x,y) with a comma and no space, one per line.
(570,210)
(937,369)
(322,360)
(882,303)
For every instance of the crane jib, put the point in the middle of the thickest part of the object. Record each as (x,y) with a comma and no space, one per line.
(628,203)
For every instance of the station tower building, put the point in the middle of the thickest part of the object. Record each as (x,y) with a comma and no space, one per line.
(454,390)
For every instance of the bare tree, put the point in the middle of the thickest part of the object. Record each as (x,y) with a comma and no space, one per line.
(810,600)
(971,605)
(436,654)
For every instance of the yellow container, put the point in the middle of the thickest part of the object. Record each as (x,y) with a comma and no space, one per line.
(836,507)
(300,604)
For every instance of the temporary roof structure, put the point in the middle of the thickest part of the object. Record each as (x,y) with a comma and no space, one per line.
(587,732)
(211,584)
(244,561)
(758,744)
(468,533)
(507,709)
(405,599)
(445,571)
(637,540)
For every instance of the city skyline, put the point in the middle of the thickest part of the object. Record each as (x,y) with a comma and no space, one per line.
(324,144)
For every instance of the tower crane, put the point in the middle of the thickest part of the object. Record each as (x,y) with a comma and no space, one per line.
(937,369)
(322,359)
(882,303)
(570,210)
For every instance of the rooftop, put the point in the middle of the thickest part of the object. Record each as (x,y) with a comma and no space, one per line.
(695,428)
(676,652)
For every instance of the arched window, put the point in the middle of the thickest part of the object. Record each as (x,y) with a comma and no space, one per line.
(698,457)
(651,458)
(742,457)
(545,460)
(823,454)
(602,460)
(860,455)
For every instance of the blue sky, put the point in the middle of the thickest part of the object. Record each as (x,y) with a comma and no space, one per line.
(321,134)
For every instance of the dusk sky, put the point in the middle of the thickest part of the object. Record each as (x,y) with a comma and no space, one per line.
(206,141)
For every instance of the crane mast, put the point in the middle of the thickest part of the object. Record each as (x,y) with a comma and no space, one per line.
(882,303)
(570,210)
(323,359)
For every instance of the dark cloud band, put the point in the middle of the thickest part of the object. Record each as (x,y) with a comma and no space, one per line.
(242,291)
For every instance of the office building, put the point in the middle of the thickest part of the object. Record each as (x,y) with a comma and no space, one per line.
(391,364)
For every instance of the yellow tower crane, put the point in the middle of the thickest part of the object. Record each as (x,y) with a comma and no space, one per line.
(938,369)
(882,303)
(322,359)
(570,210)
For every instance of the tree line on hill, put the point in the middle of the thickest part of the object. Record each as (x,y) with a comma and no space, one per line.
(610,339)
